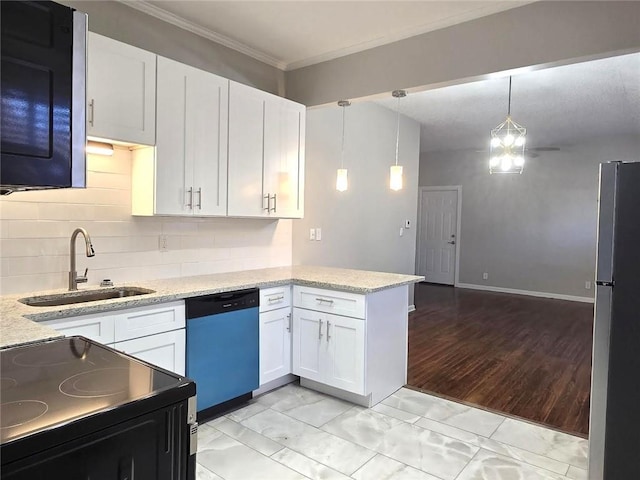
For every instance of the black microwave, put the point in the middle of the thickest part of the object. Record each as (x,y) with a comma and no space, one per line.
(43,89)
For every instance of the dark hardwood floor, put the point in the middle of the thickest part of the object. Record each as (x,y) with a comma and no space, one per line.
(524,356)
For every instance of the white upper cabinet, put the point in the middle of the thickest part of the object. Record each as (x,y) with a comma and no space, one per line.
(121,91)
(189,170)
(266,154)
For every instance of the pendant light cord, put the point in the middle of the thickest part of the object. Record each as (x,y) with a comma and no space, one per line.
(509,107)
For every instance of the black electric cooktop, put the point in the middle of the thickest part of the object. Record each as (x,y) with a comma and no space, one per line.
(76,386)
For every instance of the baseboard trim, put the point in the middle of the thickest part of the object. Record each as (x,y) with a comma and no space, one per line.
(557,296)
(412,308)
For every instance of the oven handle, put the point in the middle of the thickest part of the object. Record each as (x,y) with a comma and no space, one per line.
(193,425)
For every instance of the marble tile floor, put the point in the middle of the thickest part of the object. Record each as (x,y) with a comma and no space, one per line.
(296,433)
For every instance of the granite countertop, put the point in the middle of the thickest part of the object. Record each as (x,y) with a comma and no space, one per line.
(19,322)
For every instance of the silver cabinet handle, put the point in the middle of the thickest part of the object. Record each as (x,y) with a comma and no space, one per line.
(199,198)
(190,204)
(319,329)
(268,199)
(274,203)
(321,300)
(328,325)
(289,327)
(275,299)
(91,107)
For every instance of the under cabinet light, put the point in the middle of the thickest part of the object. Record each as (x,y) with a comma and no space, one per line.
(99,148)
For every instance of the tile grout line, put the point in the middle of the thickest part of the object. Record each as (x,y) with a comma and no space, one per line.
(468,463)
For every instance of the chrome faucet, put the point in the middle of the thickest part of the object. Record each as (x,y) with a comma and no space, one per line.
(74,279)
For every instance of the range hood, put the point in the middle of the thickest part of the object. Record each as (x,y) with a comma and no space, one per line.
(43,90)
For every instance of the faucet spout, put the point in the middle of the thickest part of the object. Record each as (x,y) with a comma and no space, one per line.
(74,279)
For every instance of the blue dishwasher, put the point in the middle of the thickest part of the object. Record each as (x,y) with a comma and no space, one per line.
(223,349)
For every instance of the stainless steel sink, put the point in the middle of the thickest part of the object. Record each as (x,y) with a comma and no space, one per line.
(83,296)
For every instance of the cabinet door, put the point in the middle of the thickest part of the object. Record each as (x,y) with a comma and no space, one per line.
(284,156)
(206,147)
(345,353)
(121,91)
(246,150)
(309,346)
(275,344)
(173,175)
(166,350)
(191,155)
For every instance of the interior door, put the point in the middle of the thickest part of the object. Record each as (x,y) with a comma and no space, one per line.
(437,235)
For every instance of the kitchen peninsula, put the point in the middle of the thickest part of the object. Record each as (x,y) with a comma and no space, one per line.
(347,328)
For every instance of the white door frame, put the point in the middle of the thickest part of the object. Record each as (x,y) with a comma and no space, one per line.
(420,241)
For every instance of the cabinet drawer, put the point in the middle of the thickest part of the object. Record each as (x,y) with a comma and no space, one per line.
(330,301)
(143,321)
(275,297)
(98,327)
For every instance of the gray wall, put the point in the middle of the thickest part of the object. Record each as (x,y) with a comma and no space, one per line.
(538,34)
(360,227)
(535,231)
(120,22)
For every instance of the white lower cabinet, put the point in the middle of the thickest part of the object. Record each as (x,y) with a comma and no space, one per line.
(155,334)
(329,349)
(275,336)
(166,350)
(275,344)
(350,345)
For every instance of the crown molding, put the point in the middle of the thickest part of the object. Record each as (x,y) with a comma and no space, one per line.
(157,12)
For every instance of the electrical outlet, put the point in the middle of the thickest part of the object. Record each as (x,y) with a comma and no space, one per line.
(312,234)
(587,285)
(163,243)
(485,276)
(318,234)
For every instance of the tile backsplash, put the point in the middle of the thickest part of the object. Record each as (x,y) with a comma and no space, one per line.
(35,229)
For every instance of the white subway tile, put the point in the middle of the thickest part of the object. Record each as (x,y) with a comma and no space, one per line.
(18,210)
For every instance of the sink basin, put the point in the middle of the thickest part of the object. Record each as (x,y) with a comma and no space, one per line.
(83,296)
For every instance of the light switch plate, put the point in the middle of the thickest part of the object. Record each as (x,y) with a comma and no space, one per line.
(318,234)
(312,234)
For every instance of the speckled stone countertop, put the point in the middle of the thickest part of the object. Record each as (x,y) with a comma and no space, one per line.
(19,322)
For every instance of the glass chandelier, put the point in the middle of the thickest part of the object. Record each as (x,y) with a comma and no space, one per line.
(507,145)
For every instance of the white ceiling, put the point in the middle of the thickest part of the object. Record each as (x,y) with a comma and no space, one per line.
(558,106)
(293,34)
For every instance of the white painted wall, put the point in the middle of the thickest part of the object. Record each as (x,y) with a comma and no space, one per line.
(360,227)
(35,228)
(535,231)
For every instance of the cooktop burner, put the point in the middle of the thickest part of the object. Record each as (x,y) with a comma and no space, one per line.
(102,382)
(56,382)
(13,414)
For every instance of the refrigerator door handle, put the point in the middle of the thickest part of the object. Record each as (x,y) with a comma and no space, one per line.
(601,283)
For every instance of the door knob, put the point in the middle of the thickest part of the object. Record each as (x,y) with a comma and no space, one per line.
(451,242)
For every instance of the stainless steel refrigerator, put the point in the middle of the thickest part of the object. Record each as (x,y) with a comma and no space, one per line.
(614,426)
